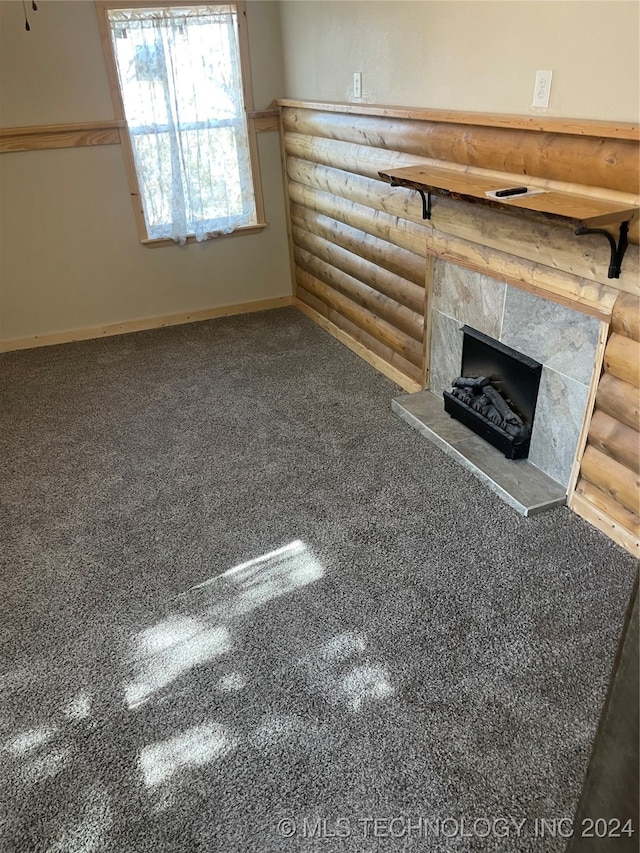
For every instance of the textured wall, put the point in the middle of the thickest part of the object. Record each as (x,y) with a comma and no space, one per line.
(70,252)
(474,55)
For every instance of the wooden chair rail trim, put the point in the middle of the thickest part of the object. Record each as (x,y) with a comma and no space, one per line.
(266,121)
(107,132)
(573,126)
(101,125)
(73,135)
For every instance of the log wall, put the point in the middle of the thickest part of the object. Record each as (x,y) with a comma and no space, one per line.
(608,489)
(362,256)
(359,247)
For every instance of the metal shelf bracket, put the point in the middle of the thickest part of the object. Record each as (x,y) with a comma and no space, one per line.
(426,204)
(617,249)
(425,196)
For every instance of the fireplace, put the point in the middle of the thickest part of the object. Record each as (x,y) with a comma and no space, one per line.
(496,393)
(563,340)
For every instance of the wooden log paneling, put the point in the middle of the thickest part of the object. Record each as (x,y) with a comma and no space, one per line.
(385,332)
(625,318)
(619,400)
(402,263)
(332,163)
(359,159)
(588,161)
(368,309)
(618,441)
(616,480)
(544,281)
(608,490)
(572,291)
(551,124)
(392,229)
(368,344)
(538,240)
(345,156)
(373,278)
(622,359)
(607,504)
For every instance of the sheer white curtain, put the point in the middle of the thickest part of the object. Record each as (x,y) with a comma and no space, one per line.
(180,78)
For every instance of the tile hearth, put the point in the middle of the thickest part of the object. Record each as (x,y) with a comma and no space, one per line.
(518,482)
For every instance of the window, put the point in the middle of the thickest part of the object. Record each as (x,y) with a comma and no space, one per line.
(179,83)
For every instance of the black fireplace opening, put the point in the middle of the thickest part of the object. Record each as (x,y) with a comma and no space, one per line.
(496,393)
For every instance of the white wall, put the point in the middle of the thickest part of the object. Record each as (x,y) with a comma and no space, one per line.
(69,251)
(479,55)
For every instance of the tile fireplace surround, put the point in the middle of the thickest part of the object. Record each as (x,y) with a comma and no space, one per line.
(564,340)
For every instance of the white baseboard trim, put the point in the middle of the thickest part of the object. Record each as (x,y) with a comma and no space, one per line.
(143,325)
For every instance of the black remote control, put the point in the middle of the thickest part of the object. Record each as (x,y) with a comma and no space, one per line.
(512,191)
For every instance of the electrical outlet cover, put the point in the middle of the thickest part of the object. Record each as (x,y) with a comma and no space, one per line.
(357,84)
(542,90)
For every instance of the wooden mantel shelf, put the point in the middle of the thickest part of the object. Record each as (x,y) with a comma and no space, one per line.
(587,214)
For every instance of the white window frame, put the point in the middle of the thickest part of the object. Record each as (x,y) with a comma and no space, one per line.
(102,7)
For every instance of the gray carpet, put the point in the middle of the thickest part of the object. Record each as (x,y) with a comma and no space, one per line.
(241,601)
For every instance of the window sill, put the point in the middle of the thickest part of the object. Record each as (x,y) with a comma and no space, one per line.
(158,242)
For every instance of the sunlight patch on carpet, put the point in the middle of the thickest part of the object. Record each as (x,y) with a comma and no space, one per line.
(249,585)
(364,684)
(195,747)
(27,741)
(79,707)
(342,671)
(171,648)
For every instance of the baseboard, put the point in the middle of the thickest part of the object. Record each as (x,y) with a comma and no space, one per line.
(605,524)
(143,325)
(388,370)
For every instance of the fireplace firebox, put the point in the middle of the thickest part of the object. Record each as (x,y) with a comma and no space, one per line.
(496,393)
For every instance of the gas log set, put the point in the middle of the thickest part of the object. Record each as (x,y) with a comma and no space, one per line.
(482,397)
(496,393)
